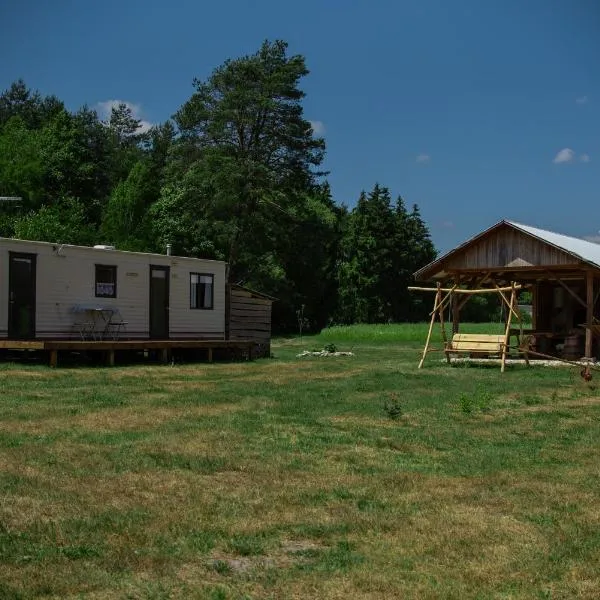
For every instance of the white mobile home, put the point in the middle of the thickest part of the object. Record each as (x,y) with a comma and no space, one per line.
(53,291)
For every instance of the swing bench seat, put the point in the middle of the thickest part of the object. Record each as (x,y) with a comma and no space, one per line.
(474,344)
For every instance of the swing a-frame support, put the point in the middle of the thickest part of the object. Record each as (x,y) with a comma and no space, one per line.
(476,343)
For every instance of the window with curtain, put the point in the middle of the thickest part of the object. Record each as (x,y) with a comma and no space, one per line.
(201,290)
(106,281)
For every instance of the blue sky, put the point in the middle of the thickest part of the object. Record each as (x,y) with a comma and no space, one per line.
(475,110)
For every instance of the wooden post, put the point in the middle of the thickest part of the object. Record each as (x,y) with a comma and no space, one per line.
(164,355)
(535,297)
(437,302)
(513,296)
(53,358)
(455,310)
(589,313)
(110,357)
(210,357)
(442,325)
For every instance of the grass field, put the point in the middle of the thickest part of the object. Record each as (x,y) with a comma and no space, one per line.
(348,477)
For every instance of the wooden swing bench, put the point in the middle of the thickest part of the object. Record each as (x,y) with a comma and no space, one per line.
(474,344)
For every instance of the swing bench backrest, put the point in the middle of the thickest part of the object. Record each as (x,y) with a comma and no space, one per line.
(475,343)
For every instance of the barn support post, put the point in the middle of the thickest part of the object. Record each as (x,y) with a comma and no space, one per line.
(455,309)
(589,313)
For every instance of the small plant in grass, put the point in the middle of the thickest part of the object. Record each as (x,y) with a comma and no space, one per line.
(331,348)
(222,567)
(531,400)
(480,400)
(483,400)
(466,403)
(393,407)
(247,545)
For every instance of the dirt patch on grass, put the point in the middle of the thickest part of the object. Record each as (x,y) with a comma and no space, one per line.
(291,375)
(175,385)
(565,404)
(359,421)
(26,374)
(136,418)
(132,418)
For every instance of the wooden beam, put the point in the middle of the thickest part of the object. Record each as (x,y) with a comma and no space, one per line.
(566,287)
(589,316)
(596,296)
(443,326)
(508,304)
(535,296)
(53,358)
(477,285)
(513,297)
(455,310)
(467,292)
(21,345)
(436,304)
(444,301)
(521,270)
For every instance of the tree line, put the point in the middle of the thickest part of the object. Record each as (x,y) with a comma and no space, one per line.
(235,175)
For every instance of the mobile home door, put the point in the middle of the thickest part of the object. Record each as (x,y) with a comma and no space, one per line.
(21,296)
(159,302)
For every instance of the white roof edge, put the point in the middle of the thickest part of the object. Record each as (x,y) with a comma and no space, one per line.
(104,250)
(582,249)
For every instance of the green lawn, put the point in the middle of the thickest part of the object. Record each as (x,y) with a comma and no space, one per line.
(348,477)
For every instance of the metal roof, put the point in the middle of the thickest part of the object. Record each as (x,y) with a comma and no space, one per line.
(583,250)
(586,251)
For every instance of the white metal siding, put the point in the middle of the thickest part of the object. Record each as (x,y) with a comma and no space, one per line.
(189,322)
(66,277)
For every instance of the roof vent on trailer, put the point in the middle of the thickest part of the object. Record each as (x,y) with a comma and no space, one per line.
(103,247)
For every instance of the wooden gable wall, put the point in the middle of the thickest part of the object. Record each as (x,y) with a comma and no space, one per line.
(507,247)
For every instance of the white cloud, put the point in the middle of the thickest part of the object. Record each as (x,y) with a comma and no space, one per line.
(582,100)
(105,108)
(592,238)
(566,155)
(318,127)
(585,157)
(423,158)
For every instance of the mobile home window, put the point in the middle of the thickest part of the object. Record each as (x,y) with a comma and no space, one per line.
(106,281)
(201,290)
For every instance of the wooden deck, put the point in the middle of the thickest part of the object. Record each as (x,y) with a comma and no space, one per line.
(109,347)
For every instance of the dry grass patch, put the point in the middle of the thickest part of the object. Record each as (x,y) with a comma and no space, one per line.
(232,480)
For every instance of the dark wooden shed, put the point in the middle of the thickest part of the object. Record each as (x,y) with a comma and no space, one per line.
(248,317)
(562,272)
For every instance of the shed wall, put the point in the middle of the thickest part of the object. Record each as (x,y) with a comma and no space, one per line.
(249,316)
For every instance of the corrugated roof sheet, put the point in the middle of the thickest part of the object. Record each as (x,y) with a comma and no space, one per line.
(587,251)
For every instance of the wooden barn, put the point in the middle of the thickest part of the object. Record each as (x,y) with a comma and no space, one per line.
(561,272)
